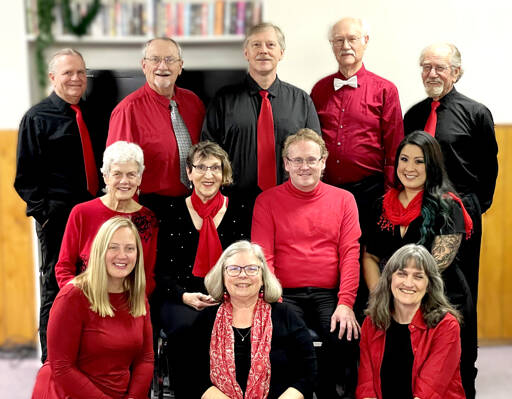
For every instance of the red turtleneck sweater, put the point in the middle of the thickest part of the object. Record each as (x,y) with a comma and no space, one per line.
(310,239)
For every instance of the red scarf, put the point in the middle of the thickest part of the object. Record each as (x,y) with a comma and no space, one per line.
(222,353)
(209,248)
(395,214)
(468,223)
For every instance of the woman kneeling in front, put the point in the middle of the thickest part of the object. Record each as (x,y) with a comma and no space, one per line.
(100,342)
(251,346)
(410,343)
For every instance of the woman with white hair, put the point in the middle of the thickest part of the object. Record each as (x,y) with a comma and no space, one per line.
(123,164)
(251,346)
(100,341)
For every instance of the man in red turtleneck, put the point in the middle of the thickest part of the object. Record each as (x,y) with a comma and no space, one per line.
(310,233)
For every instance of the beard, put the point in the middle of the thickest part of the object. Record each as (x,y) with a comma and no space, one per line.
(434,91)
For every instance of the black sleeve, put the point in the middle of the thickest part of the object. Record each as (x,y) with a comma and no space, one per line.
(312,118)
(213,127)
(29,182)
(488,162)
(455,224)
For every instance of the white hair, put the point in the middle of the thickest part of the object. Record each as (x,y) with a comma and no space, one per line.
(365,28)
(121,152)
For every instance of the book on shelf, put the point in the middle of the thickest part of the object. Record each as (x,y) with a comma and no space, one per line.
(145,18)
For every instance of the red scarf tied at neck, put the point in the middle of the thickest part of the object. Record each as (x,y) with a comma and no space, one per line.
(209,248)
(395,214)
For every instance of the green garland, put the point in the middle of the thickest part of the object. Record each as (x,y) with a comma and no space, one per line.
(79,29)
(45,37)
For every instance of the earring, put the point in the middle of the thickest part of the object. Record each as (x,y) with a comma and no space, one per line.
(225,297)
(261,294)
(190,185)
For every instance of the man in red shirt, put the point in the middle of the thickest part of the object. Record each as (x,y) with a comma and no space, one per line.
(361,119)
(309,232)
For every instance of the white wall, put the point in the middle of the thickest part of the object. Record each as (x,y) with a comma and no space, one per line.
(399,30)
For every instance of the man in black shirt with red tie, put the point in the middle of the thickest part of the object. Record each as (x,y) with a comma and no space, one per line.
(56,166)
(465,130)
(241,115)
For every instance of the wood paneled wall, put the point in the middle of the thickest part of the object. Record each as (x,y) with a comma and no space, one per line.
(17,297)
(495,289)
(17,289)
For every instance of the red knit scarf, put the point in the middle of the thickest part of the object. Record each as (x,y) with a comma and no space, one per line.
(209,248)
(395,214)
(222,353)
(468,223)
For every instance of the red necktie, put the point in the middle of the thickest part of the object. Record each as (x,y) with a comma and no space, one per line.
(91,173)
(266,144)
(430,127)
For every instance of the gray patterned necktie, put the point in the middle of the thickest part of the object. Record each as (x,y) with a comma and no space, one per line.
(183,140)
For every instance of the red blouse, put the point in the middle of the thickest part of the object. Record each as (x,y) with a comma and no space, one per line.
(436,366)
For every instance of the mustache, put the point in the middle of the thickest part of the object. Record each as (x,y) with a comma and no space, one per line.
(348,52)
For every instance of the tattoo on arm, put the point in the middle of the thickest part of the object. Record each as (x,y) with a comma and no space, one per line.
(445,248)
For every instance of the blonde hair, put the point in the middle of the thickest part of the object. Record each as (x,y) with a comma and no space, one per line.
(305,135)
(214,280)
(94,280)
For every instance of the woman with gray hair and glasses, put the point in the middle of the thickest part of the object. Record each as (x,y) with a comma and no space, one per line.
(123,164)
(410,343)
(251,345)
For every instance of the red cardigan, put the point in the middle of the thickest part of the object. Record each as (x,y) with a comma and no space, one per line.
(436,366)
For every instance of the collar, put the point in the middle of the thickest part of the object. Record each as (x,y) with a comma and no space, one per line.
(164,101)
(418,321)
(303,194)
(446,98)
(63,105)
(360,74)
(254,88)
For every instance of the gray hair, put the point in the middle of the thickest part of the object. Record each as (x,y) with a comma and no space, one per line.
(434,304)
(121,152)
(455,56)
(165,39)
(264,26)
(60,53)
(365,27)
(214,280)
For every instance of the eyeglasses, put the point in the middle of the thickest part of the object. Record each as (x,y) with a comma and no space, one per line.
(235,270)
(340,41)
(202,169)
(426,68)
(298,162)
(155,60)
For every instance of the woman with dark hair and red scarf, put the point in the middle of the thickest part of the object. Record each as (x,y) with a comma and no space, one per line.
(422,208)
(205,223)
(251,346)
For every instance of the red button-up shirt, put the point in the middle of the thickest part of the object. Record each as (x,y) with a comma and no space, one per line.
(436,366)
(361,126)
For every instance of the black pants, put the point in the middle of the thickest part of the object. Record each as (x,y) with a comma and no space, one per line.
(50,239)
(316,306)
(469,255)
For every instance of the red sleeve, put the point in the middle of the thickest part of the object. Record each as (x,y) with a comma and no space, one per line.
(263,230)
(65,269)
(348,250)
(68,316)
(438,370)
(121,125)
(142,367)
(392,128)
(365,386)
(150,259)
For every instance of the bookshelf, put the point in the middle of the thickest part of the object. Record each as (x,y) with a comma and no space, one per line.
(210,32)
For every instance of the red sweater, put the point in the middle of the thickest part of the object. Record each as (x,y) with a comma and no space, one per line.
(436,366)
(84,222)
(310,239)
(90,356)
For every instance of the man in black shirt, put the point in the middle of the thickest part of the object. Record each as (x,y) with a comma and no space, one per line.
(465,131)
(50,168)
(232,117)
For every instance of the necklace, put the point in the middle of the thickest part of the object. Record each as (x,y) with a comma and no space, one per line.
(241,335)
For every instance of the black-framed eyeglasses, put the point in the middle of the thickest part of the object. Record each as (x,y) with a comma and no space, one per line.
(235,270)
(298,162)
(202,169)
(157,60)
(427,68)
